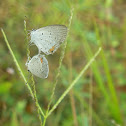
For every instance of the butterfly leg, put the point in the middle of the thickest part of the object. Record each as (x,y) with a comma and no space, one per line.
(39,51)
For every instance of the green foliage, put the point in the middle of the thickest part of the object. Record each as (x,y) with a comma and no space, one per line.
(14,121)
(95,23)
(5,87)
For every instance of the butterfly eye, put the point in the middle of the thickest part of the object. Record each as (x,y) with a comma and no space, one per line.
(28,70)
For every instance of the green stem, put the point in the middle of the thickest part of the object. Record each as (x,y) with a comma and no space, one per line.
(60,62)
(74,82)
(33,82)
(44,120)
(36,100)
(20,71)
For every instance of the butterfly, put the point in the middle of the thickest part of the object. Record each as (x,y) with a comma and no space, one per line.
(38,66)
(49,38)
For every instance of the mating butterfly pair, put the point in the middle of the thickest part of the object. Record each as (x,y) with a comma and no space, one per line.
(48,39)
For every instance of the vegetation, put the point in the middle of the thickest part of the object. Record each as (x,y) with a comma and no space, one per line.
(86,83)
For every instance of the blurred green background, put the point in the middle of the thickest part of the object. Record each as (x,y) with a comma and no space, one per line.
(99,98)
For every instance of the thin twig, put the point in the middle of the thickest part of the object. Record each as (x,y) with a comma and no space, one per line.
(36,101)
(74,82)
(60,62)
(33,82)
(20,71)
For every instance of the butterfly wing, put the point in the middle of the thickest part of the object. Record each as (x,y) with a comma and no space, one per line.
(38,66)
(48,39)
